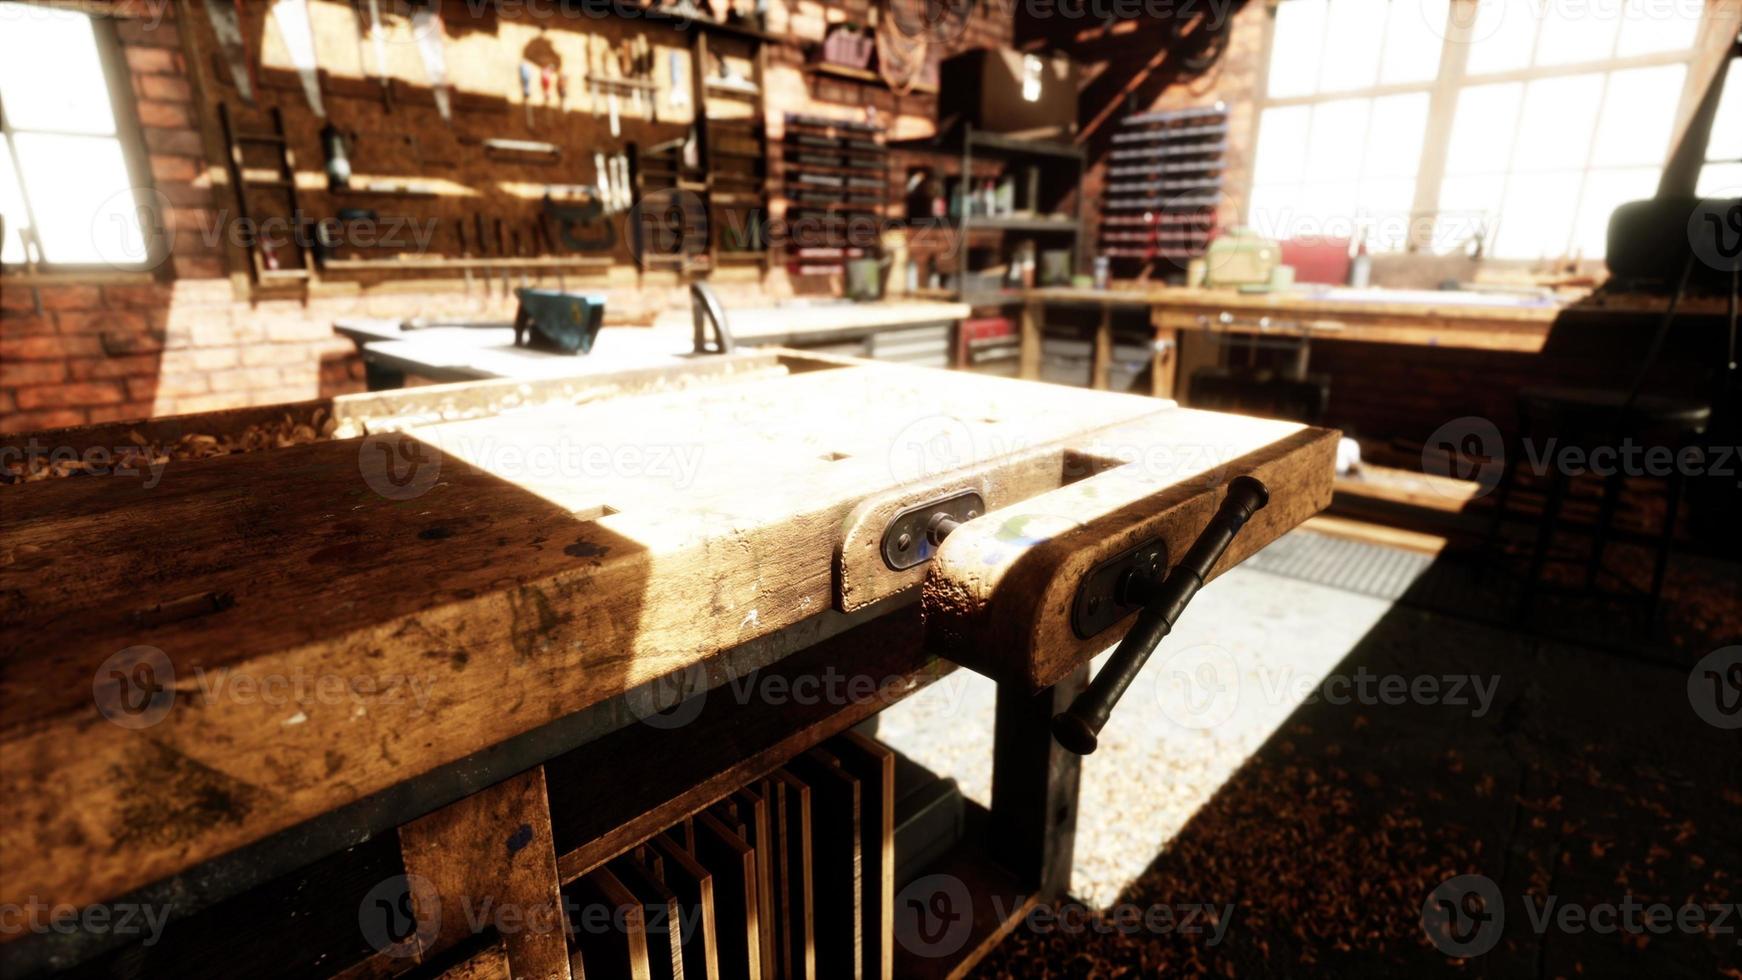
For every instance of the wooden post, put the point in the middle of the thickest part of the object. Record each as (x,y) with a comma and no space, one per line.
(1163,362)
(1033,316)
(1034,787)
(1102,365)
(491,855)
(1164,357)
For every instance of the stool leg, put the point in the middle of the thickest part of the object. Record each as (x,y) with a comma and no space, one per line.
(1502,496)
(1605,516)
(1551,513)
(1665,540)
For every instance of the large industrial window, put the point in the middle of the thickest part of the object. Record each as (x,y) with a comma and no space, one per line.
(69,189)
(1722,174)
(1512,127)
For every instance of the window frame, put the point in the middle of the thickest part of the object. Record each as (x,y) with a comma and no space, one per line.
(129,133)
(1443,91)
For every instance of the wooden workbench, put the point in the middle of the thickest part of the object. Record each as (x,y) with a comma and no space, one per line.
(1414,317)
(475,583)
(477,352)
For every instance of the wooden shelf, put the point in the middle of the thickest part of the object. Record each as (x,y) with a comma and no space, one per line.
(606,81)
(727,88)
(1012,223)
(529,262)
(380,192)
(864,76)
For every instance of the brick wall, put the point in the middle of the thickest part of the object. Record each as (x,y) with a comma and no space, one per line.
(189,339)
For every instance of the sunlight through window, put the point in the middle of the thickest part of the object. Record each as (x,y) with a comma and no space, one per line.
(66,187)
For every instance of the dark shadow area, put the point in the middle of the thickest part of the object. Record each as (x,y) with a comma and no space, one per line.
(1592,778)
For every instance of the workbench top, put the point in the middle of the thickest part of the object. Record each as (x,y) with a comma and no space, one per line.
(251,641)
(1304,300)
(468,352)
(800,323)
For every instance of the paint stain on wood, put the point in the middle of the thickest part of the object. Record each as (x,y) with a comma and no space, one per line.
(586,549)
(519,839)
(533,620)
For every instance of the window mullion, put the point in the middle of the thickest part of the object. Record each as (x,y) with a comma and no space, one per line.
(29,231)
(1442,106)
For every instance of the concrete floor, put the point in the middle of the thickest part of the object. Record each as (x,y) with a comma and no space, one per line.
(1319,762)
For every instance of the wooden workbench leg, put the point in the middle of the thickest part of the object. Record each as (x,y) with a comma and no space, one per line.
(1102,365)
(1163,362)
(1034,787)
(1033,317)
(489,859)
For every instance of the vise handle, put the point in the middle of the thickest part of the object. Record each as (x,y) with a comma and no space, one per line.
(1078,728)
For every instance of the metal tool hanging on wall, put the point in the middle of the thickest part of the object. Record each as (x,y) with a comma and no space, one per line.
(298,34)
(427,28)
(226,20)
(569,216)
(338,158)
(526,72)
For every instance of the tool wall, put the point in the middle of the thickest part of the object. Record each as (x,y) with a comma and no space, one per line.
(369,140)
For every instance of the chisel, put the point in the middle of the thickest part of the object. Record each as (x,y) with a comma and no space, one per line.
(526,90)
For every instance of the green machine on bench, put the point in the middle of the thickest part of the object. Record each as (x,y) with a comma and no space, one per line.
(559,322)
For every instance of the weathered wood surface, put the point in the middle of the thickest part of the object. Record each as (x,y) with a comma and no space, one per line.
(873,764)
(610,938)
(999,593)
(302,627)
(489,858)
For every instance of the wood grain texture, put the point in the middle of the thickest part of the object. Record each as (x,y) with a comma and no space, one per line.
(873,764)
(490,963)
(373,630)
(752,803)
(488,859)
(609,928)
(661,914)
(793,879)
(732,864)
(686,877)
(612,794)
(835,863)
